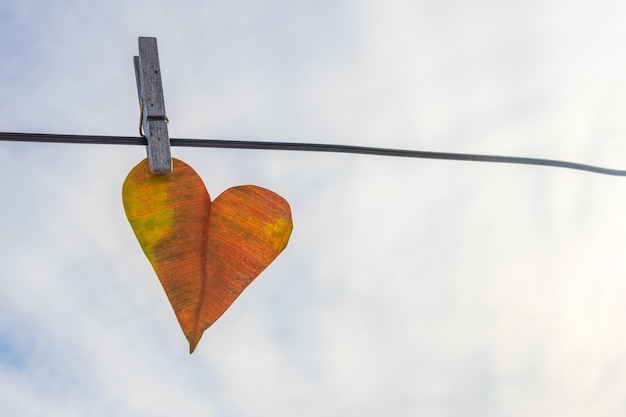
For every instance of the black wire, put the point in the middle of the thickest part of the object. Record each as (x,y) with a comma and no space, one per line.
(306,147)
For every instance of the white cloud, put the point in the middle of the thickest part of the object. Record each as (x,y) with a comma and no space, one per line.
(409,286)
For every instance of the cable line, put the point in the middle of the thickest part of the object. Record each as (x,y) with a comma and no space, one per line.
(307,147)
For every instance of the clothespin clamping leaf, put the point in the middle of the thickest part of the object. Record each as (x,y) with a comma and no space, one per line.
(152,106)
(205,253)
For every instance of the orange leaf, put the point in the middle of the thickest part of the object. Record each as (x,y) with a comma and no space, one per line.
(204,253)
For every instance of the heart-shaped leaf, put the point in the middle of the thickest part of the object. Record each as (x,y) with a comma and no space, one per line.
(204,253)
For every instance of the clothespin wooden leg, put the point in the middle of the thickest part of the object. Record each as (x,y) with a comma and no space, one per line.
(152,104)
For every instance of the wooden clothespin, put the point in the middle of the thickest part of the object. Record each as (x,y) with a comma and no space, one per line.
(152,105)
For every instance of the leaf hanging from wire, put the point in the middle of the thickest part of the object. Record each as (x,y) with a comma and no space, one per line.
(204,253)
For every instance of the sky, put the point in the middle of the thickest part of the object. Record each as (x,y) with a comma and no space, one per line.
(409,287)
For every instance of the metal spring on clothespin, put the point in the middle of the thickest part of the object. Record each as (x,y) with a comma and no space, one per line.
(152,106)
